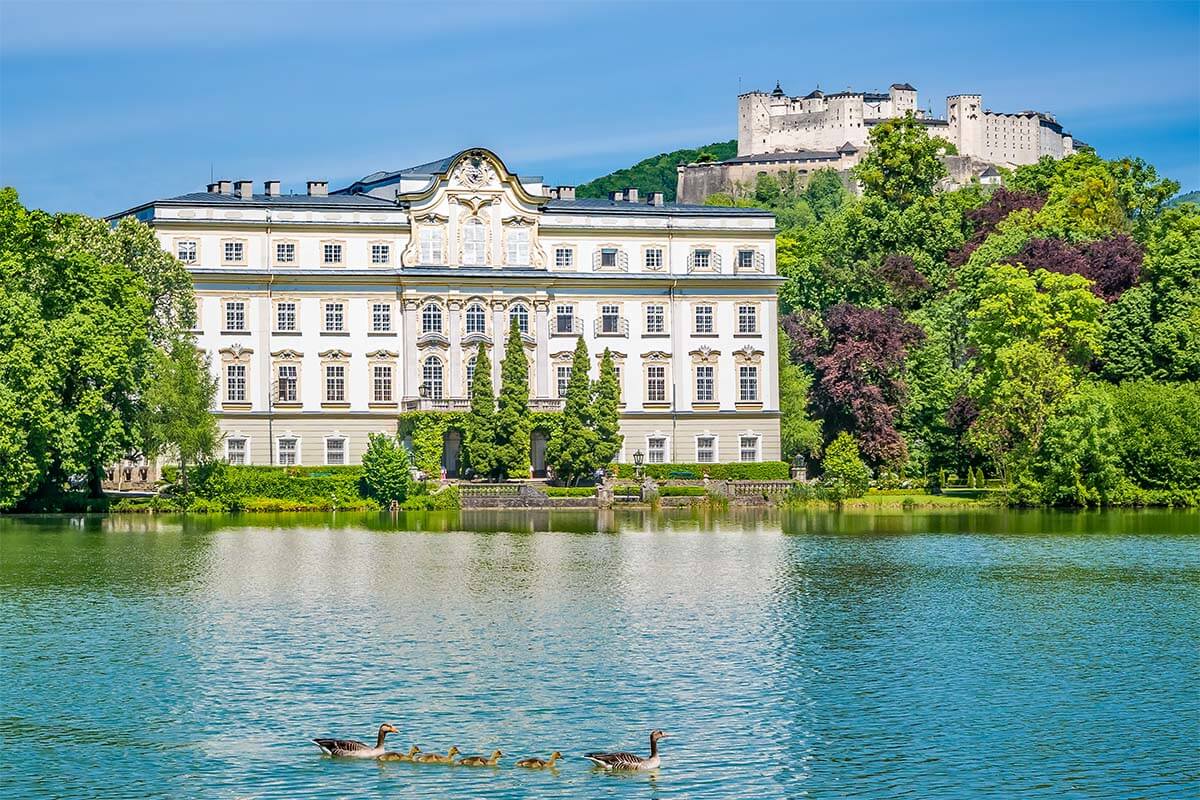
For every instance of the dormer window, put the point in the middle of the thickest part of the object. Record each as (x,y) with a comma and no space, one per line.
(474,242)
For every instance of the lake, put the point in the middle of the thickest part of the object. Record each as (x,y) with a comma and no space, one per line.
(790,654)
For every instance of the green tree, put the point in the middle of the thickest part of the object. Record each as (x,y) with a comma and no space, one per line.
(902,164)
(512,414)
(607,411)
(1159,439)
(386,469)
(177,419)
(480,438)
(1077,462)
(798,432)
(844,473)
(572,450)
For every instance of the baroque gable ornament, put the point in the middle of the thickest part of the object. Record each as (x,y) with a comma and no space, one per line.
(705,353)
(474,172)
(237,352)
(288,354)
(382,354)
(747,353)
(656,355)
(334,354)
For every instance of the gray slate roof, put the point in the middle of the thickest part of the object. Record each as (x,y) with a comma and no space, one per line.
(796,155)
(606,206)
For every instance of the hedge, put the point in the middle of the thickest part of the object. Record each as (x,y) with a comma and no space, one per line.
(682,491)
(570,491)
(731,471)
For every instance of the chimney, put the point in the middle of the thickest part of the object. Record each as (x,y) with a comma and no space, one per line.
(318,188)
(566,193)
(552,193)
(271,188)
(225,187)
(617,196)
(213,188)
(245,190)
(656,198)
(631,194)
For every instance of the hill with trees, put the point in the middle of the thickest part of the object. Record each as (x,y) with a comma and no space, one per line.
(657,173)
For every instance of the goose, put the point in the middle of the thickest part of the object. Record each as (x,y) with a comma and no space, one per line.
(540,763)
(393,756)
(623,761)
(437,758)
(480,761)
(352,748)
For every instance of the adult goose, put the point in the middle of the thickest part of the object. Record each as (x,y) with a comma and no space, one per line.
(481,761)
(628,761)
(540,763)
(352,748)
(393,756)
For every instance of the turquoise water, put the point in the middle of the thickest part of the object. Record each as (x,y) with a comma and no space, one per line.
(986,654)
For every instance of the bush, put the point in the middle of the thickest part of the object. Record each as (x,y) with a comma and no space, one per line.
(845,474)
(731,471)
(627,490)
(310,487)
(422,499)
(682,491)
(570,491)
(386,469)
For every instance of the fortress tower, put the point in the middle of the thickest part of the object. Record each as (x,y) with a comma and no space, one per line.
(964,114)
(754,120)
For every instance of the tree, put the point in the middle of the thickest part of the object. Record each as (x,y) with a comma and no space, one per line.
(1078,462)
(512,415)
(843,472)
(607,411)
(1111,264)
(902,164)
(798,432)
(386,469)
(177,417)
(480,434)
(1159,433)
(572,450)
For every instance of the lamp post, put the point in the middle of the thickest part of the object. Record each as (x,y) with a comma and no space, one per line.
(638,458)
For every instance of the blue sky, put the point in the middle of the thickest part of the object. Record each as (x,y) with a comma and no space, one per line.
(104,105)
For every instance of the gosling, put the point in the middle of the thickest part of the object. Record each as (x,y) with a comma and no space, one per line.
(437,758)
(540,763)
(394,756)
(480,761)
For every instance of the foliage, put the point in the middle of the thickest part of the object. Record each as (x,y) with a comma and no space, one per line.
(902,163)
(730,471)
(572,450)
(798,433)
(798,201)
(1159,433)
(386,469)
(311,487)
(607,413)
(512,417)
(1077,462)
(176,415)
(843,472)
(1111,264)
(570,491)
(656,174)
(479,438)
(424,432)
(682,491)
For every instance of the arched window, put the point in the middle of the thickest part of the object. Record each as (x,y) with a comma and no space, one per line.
(474,239)
(431,318)
(476,318)
(431,375)
(521,314)
(470,372)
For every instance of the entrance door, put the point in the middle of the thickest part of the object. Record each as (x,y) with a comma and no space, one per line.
(451,444)
(537,453)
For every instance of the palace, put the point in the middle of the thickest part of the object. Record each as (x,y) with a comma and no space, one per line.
(326,315)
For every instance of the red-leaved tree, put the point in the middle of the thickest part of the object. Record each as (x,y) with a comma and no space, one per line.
(988,216)
(1112,264)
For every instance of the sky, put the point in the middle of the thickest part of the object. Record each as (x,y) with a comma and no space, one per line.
(105,105)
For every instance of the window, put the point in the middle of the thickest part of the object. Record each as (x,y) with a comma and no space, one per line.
(656,384)
(235,451)
(476,318)
(335,451)
(335,317)
(747,319)
(235,316)
(285,316)
(701,259)
(656,450)
(431,246)
(747,384)
(474,238)
(431,318)
(186,252)
(235,383)
(656,319)
(381,389)
(287,452)
(704,384)
(654,258)
(748,448)
(745,259)
(564,319)
(564,257)
(610,319)
(335,383)
(706,449)
(471,372)
(381,317)
(564,377)
(381,253)
(518,246)
(332,253)
(704,319)
(288,379)
(521,314)
(608,257)
(285,252)
(234,252)
(432,376)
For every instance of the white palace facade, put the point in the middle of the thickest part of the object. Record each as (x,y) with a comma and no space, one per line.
(328,314)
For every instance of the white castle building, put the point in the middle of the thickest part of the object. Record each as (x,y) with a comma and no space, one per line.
(328,314)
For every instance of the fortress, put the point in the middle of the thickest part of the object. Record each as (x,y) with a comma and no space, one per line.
(777,133)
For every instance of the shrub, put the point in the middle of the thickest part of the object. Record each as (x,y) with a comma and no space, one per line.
(681,491)
(627,490)
(570,491)
(386,469)
(424,500)
(733,471)
(845,473)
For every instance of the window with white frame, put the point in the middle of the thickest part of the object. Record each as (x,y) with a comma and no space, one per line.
(563,373)
(518,245)
(521,314)
(610,319)
(656,319)
(747,319)
(705,383)
(656,450)
(285,316)
(431,245)
(474,242)
(381,383)
(656,383)
(748,448)
(608,257)
(235,252)
(654,258)
(747,383)
(235,383)
(476,318)
(287,452)
(185,251)
(285,252)
(331,253)
(706,449)
(235,315)
(471,371)
(704,319)
(745,259)
(335,317)
(235,450)
(287,379)
(335,383)
(335,451)
(564,319)
(381,253)
(701,259)
(432,375)
(381,317)
(431,318)
(564,257)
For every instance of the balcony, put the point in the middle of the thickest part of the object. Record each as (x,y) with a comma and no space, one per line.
(436,404)
(566,325)
(546,403)
(610,325)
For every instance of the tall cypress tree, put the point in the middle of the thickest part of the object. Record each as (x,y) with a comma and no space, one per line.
(607,412)
(572,451)
(481,422)
(512,416)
